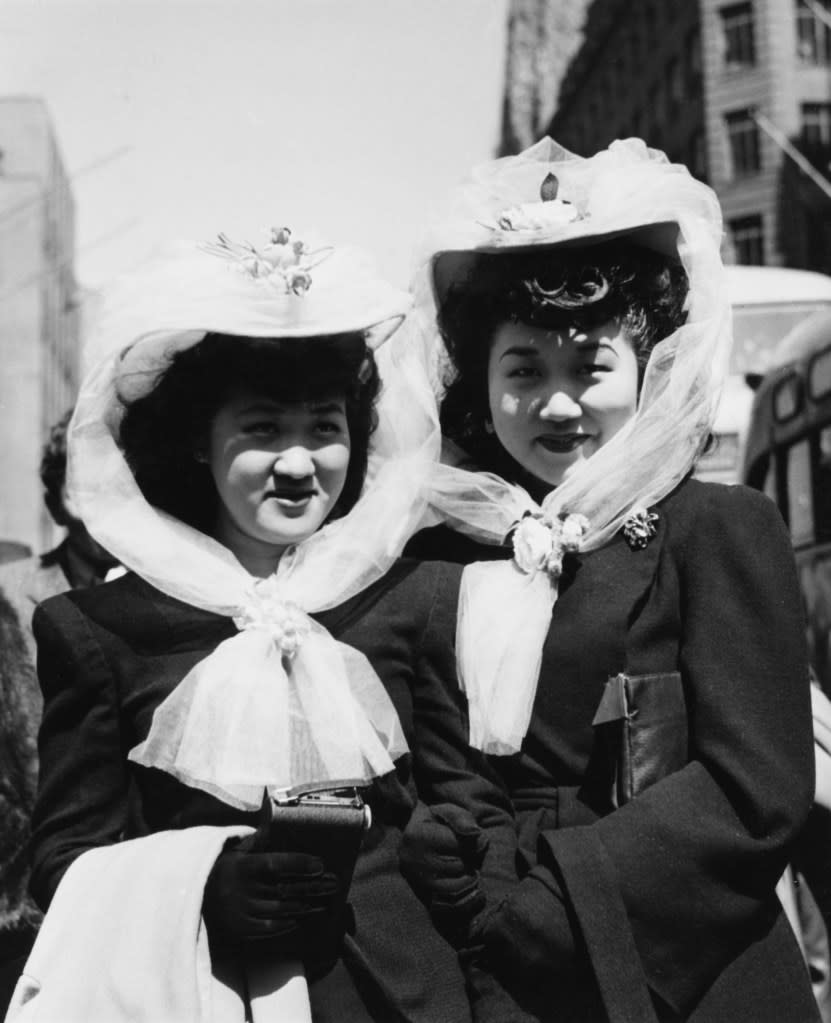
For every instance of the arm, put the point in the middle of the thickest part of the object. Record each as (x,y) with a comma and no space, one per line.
(450,773)
(446,769)
(83,786)
(688,868)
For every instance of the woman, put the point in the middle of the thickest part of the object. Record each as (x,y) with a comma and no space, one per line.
(266,642)
(637,670)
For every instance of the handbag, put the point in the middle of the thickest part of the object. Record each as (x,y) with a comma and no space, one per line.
(641,734)
(329,824)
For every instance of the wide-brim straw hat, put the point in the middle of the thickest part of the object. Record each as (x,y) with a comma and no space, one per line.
(548,198)
(275,291)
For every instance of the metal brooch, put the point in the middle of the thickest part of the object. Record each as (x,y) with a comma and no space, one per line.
(639,528)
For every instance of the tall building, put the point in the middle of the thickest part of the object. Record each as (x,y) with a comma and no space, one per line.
(740,92)
(542,37)
(39,342)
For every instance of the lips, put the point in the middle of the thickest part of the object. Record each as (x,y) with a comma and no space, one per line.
(562,443)
(291,496)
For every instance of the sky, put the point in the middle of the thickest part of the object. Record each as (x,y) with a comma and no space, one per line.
(182,118)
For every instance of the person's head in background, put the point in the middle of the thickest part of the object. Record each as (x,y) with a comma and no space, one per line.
(82,558)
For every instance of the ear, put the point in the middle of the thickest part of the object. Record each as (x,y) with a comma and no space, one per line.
(201,455)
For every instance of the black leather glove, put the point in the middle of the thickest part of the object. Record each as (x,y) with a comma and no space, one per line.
(441,852)
(529,938)
(251,895)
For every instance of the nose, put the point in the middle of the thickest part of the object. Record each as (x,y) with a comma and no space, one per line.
(560,406)
(295,461)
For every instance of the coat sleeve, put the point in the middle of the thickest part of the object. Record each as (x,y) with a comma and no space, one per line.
(83,787)
(686,871)
(448,770)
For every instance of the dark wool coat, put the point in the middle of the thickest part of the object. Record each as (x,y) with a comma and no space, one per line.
(23,584)
(674,888)
(107,659)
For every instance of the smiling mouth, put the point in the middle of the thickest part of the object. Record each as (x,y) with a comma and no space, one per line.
(562,443)
(292,498)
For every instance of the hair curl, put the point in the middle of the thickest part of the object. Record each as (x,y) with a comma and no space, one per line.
(641,289)
(53,470)
(162,432)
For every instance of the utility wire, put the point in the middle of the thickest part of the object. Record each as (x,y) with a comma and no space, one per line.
(785,144)
(41,197)
(24,282)
(819,12)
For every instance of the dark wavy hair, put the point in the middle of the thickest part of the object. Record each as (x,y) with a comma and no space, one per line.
(162,432)
(53,470)
(556,288)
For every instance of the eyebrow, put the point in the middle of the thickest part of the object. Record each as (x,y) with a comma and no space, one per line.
(269,407)
(532,351)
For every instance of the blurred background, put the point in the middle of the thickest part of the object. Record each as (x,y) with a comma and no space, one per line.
(127,122)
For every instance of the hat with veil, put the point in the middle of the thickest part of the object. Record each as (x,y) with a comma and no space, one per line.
(544,199)
(281,705)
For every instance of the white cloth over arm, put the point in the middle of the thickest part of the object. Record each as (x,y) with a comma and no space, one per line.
(124,942)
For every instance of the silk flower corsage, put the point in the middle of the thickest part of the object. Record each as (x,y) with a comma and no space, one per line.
(539,545)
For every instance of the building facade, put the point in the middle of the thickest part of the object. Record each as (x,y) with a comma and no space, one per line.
(542,37)
(740,92)
(39,331)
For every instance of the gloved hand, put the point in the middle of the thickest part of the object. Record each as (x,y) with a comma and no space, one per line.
(441,851)
(530,937)
(251,895)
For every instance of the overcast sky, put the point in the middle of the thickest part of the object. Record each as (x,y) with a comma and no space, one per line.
(185,117)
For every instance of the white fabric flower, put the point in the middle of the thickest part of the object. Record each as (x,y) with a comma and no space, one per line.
(537,216)
(282,619)
(574,529)
(533,544)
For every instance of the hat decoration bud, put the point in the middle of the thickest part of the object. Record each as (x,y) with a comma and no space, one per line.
(281,262)
(549,212)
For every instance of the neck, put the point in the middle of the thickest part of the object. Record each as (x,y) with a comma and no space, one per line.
(256,557)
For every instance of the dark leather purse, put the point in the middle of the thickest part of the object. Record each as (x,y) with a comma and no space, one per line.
(330,825)
(641,733)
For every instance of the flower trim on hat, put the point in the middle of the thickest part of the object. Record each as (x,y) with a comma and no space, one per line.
(551,211)
(540,545)
(282,262)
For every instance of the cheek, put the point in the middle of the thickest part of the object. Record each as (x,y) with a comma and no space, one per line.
(334,459)
(504,404)
(238,469)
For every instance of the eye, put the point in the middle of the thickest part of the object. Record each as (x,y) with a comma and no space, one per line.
(591,368)
(522,373)
(262,427)
(329,427)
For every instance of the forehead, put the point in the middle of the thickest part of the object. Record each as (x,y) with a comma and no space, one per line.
(540,339)
(243,399)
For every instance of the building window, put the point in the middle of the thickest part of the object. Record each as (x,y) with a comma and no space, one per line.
(635,49)
(748,238)
(813,36)
(650,20)
(816,124)
(737,34)
(620,75)
(697,155)
(656,115)
(692,59)
(743,140)
(675,84)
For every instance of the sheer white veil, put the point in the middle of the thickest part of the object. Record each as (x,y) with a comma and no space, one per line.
(507,205)
(281,705)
